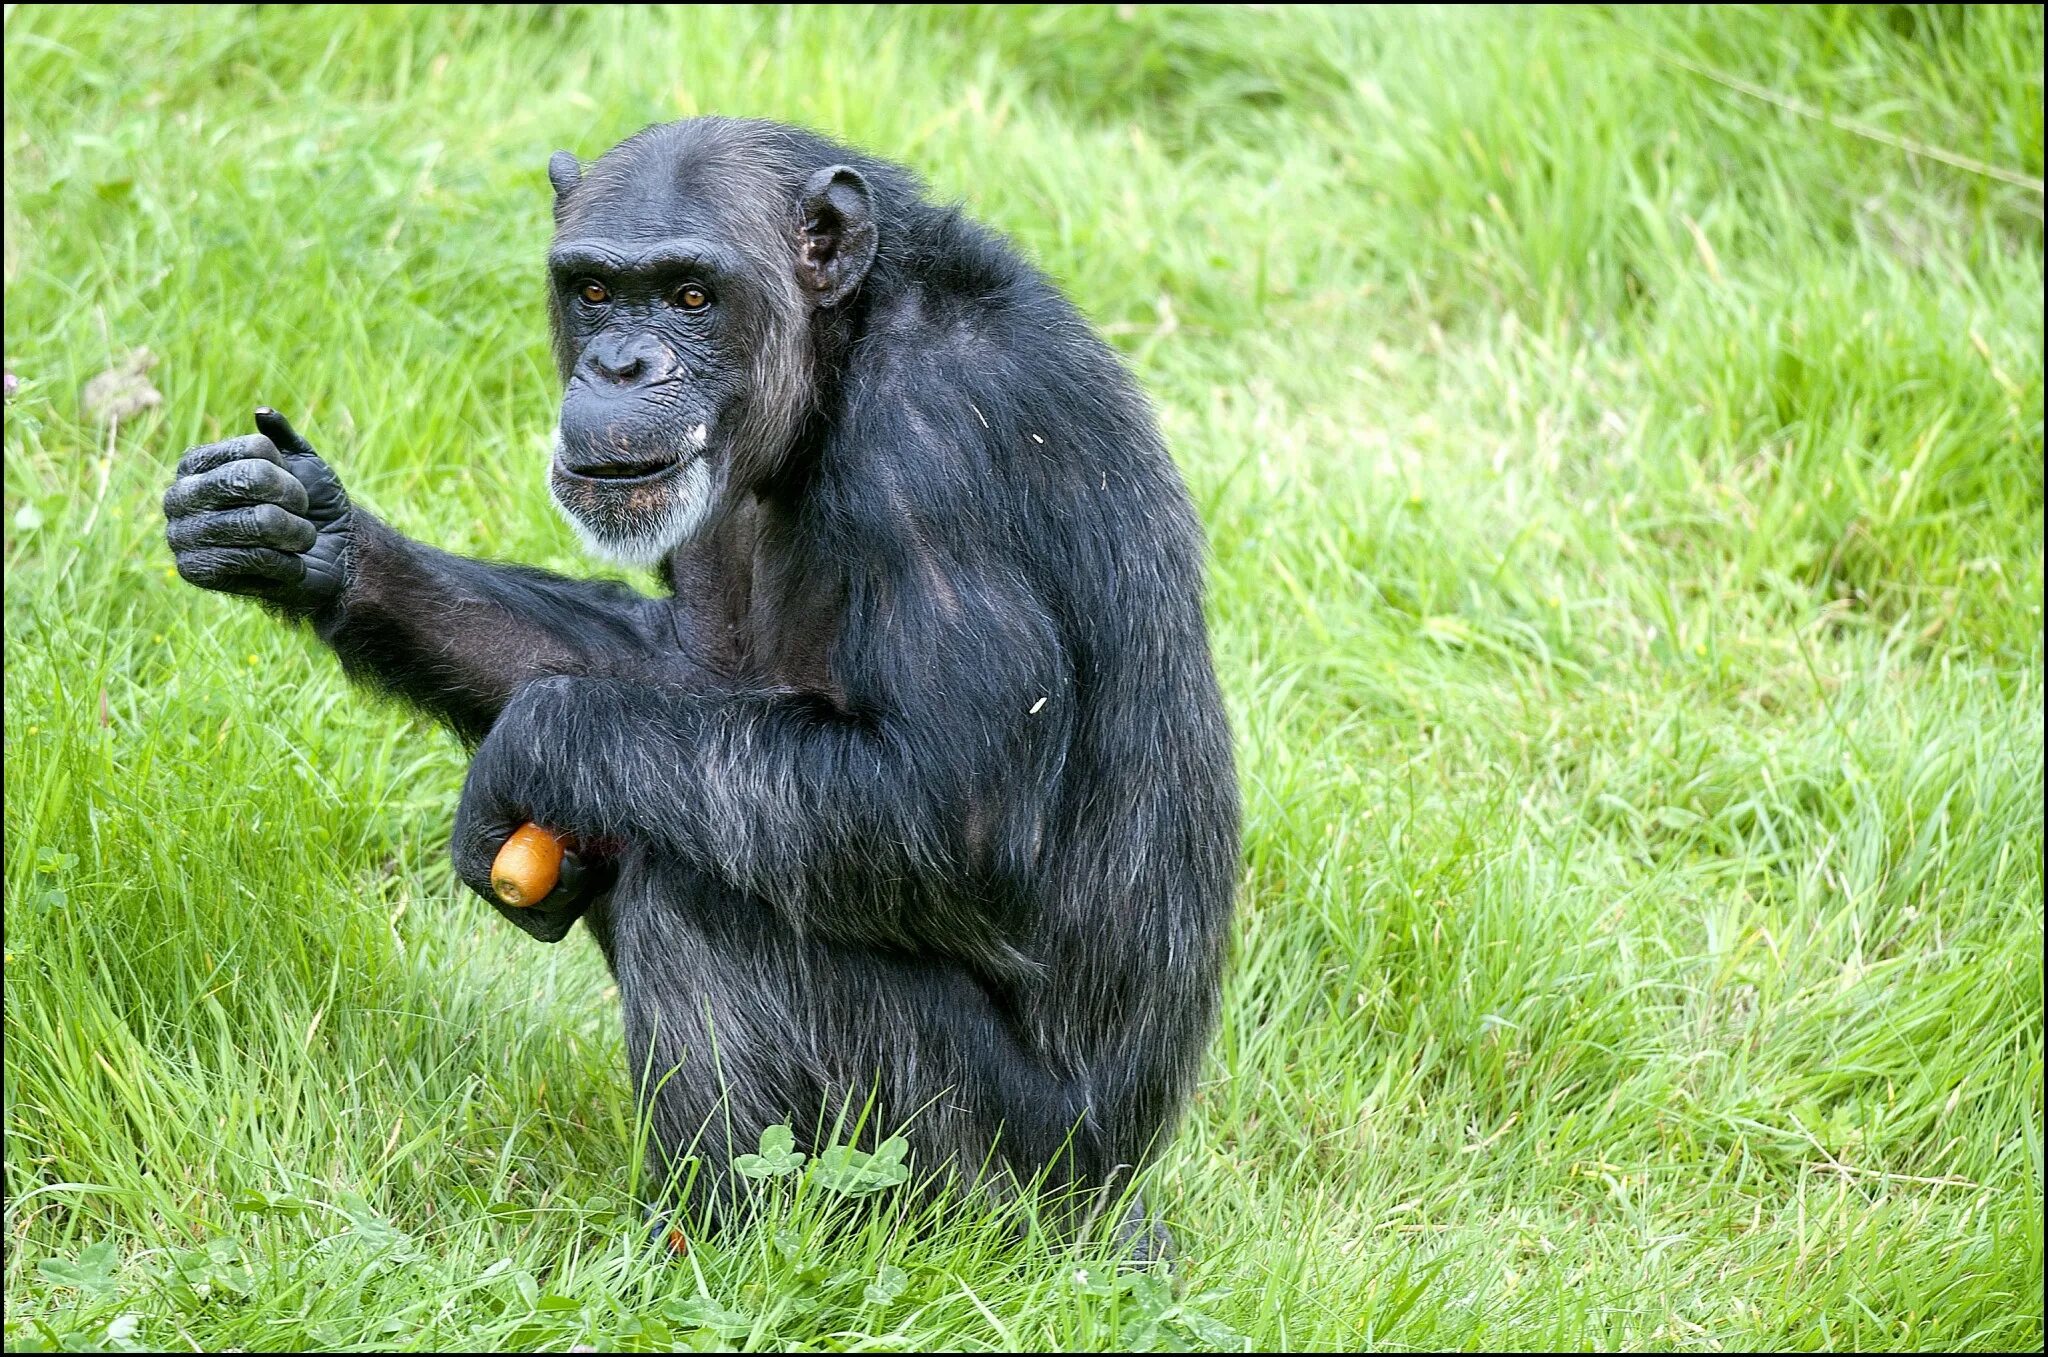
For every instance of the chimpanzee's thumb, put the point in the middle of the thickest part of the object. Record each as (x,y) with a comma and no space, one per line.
(282,435)
(326,501)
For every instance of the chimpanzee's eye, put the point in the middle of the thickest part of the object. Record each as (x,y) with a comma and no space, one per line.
(692,298)
(593,292)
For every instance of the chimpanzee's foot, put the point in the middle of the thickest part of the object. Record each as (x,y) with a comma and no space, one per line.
(1142,1239)
(665,1236)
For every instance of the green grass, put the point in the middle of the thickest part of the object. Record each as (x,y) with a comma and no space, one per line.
(1625,497)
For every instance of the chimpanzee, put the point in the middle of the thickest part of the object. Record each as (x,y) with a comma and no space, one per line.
(913,798)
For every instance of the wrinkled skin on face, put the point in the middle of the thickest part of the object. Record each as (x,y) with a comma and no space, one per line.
(681,317)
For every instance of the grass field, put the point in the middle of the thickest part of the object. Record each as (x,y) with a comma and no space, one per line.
(1620,439)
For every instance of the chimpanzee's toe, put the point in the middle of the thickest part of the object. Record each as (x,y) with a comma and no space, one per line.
(1143,1239)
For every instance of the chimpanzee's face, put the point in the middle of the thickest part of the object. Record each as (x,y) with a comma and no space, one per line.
(654,331)
(683,279)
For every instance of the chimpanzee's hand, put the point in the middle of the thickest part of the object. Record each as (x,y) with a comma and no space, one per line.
(261,515)
(505,784)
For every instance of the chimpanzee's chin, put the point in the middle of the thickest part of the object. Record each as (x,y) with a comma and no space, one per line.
(637,523)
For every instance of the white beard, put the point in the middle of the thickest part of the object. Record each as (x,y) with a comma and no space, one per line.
(691,499)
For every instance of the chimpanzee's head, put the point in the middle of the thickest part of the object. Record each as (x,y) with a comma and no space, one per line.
(688,266)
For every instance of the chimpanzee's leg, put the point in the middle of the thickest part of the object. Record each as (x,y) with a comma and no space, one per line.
(734,1023)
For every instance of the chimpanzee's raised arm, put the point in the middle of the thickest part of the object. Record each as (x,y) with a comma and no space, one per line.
(264,516)
(458,637)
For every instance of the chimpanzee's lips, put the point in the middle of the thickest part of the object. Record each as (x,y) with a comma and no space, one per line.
(620,472)
(612,462)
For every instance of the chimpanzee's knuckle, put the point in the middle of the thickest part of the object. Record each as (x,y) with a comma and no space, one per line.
(209,456)
(244,478)
(222,482)
(473,865)
(254,447)
(267,483)
(195,532)
(190,532)
(182,496)
(200,567)
(463,845)
(273,527)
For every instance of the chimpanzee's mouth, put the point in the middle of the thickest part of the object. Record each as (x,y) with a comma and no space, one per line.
(599,470)
(619,473)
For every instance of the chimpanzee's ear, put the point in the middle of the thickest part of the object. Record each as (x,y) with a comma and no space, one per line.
(564,173)
(837,242)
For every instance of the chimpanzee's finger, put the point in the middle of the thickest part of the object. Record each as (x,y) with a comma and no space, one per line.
(279,430)
(207,456)
(582,878)
(474,847)
(255,525)
(540,922)
(248,481)
(549,920)
(239,570)
(327,502)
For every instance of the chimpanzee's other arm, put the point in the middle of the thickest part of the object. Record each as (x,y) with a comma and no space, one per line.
(902,821)
(263,515)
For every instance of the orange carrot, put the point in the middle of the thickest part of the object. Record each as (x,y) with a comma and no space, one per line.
(527,867)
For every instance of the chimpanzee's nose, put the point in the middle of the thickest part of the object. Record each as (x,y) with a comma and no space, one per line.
(619,367)
(626,362)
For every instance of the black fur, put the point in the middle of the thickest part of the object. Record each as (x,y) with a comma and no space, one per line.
(916,794)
